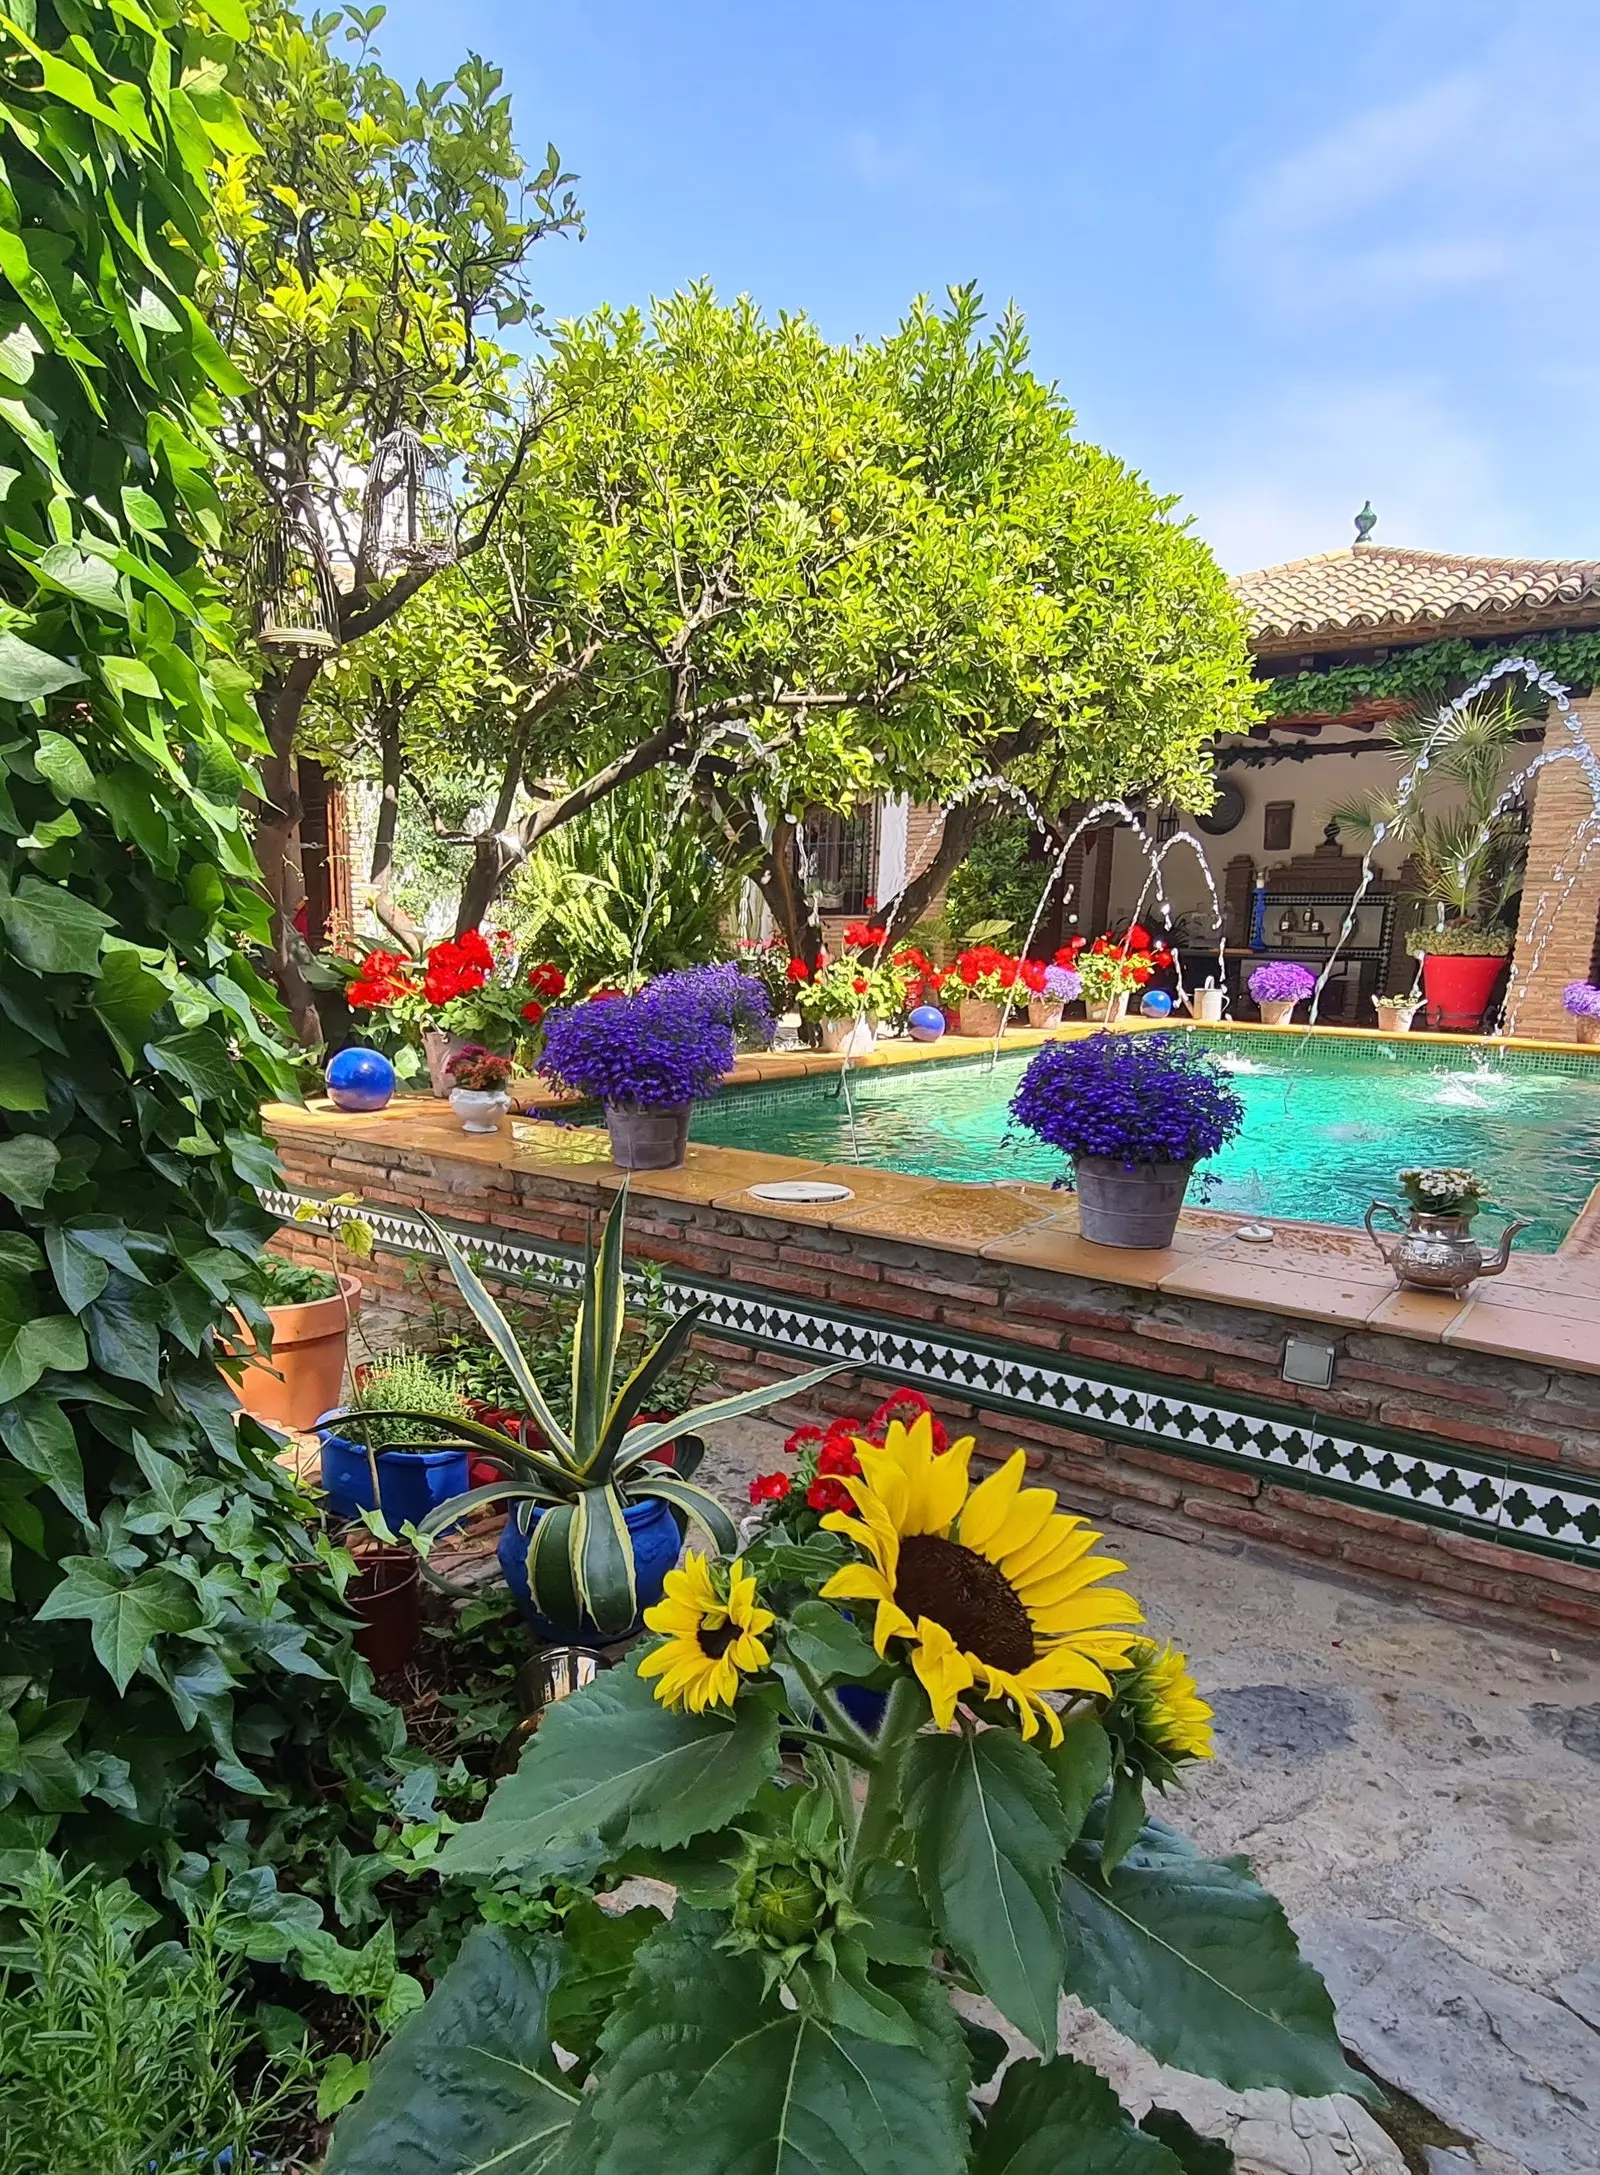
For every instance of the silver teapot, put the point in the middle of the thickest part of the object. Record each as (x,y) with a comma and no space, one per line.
(1438,1253)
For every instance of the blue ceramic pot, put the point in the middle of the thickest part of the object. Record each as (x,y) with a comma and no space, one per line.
(359,1079)
(412,1482)
(863,1705)
(656,1540)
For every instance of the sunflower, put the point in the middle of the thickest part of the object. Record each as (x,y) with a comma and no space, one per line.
(712,1638)
(994,1588)
(1161,1694)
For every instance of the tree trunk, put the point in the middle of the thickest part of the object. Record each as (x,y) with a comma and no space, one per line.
(962,824)
(391,759)
(786,896)
(280,699)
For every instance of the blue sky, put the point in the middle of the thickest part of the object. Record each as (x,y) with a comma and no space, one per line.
(1281,256)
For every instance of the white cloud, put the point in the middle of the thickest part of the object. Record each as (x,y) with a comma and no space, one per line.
(1286,479)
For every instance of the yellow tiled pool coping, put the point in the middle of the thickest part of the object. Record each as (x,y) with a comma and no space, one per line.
(1545,1309)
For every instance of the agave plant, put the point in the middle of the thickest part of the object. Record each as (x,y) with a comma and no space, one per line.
(572,1489)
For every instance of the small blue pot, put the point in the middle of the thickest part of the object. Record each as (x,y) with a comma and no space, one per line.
(656,1541)
(864,1706)
(412,1482)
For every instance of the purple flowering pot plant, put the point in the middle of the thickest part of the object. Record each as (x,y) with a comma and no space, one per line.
(1135,1113)
(1581,1003)
(1278,987)
(649,1057)
(1059,987)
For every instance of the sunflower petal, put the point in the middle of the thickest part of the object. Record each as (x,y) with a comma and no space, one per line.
(990,1502)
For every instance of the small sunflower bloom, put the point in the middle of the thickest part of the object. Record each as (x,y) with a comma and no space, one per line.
(1162,1695)
(996,1591)
(712,1626)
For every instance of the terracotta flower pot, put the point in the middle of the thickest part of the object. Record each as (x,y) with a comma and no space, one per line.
(1276,1011)
(1395,1019)
(1106,1011)
(305,1375)
(980,1020)
(386,1593)
(1043,1012)
(1586,1029)
(1458,986)
(852,1037)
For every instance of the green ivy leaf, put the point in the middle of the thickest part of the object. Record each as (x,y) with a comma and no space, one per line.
(40,1436)
(63,765)
(124,1616)
(21,1082)
(82,574)
(81,1274)
(122,1331)
(28,1349)
(19,1254)
(28,674)
(989,1835)
(470,2082)
(27,1165)
(1193,1960)
(1060,2114)
(127,998)
(613,1763)
(53,930)
(199,1059)
(701,2073)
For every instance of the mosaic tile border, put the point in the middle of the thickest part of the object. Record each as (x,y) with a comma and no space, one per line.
(1507,1500)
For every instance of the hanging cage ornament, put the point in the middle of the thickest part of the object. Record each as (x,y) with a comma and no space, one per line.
(408,513)
(292,589)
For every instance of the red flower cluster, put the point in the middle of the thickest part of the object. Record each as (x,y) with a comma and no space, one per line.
(382,979)
(831,1456)
(923,979)
(547,981)
(457,966)
(798,971)
(1135,945)
(981,959)
(1033,973)
(862,936)
(533,1011)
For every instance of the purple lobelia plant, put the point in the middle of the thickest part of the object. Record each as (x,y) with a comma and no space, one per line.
(1582,1000)
(667,1045)
(1137,1098)
(1280,981)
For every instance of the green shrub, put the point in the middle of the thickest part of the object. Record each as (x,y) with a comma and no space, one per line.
(405,1382)
(294,1283)
(997,882)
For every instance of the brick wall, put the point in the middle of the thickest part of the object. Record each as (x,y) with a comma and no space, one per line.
(1563,934)
(1436,1395)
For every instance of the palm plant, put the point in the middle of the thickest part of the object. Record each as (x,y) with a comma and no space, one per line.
(1468,856)
(578,1481)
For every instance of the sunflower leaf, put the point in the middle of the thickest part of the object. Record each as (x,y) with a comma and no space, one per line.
(611,1761)
(701,2072)
(1193,1960)
(470,2079)
(1062,2114)
(989,1834)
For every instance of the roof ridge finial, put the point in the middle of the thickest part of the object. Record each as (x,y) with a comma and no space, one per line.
(1366,522)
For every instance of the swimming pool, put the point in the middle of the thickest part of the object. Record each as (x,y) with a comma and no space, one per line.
(1328,1123)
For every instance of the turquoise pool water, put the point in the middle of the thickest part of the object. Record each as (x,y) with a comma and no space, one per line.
(1327,1125)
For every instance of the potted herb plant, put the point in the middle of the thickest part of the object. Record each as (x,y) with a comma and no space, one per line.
(1581,1003)
(590,1533)
(1468,852)
(307,1312)
(1435,1250)
(1395,1014)
(1278,987)
(479,1084)
(805,2000)
(648,1058)
(389,1449)
(1135,1113)
(1051,987)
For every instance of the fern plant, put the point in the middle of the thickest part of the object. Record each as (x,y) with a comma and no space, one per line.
(570,1491)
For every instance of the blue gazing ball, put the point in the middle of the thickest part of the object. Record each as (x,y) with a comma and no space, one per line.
(359,1079)
(926,1023)
(1155,1004)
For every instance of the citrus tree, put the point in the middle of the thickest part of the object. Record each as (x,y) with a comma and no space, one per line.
(884,1771)
(170,1631)
(375,252)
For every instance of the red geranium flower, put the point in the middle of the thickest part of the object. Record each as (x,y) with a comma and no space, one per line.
(828,1494)
(1138,936)
(1161,957)
(838,1456)
(1008,973)
(473,947)
(547,981)
(798,971)
(1032,971)
(769,1487)
(870,903)
(967,968)
(859,985)
(533,1012)
(801,1436)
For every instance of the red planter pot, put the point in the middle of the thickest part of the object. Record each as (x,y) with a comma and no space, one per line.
(1457,986)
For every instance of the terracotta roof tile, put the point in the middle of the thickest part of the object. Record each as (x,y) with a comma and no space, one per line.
(1372,586)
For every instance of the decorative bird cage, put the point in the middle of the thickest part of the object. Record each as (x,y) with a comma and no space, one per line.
(409,515)
(292,589)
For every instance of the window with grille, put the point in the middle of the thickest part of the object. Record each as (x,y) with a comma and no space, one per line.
(841,858)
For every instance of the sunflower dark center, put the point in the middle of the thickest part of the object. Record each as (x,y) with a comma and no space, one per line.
(714,1644)
(971,1597)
